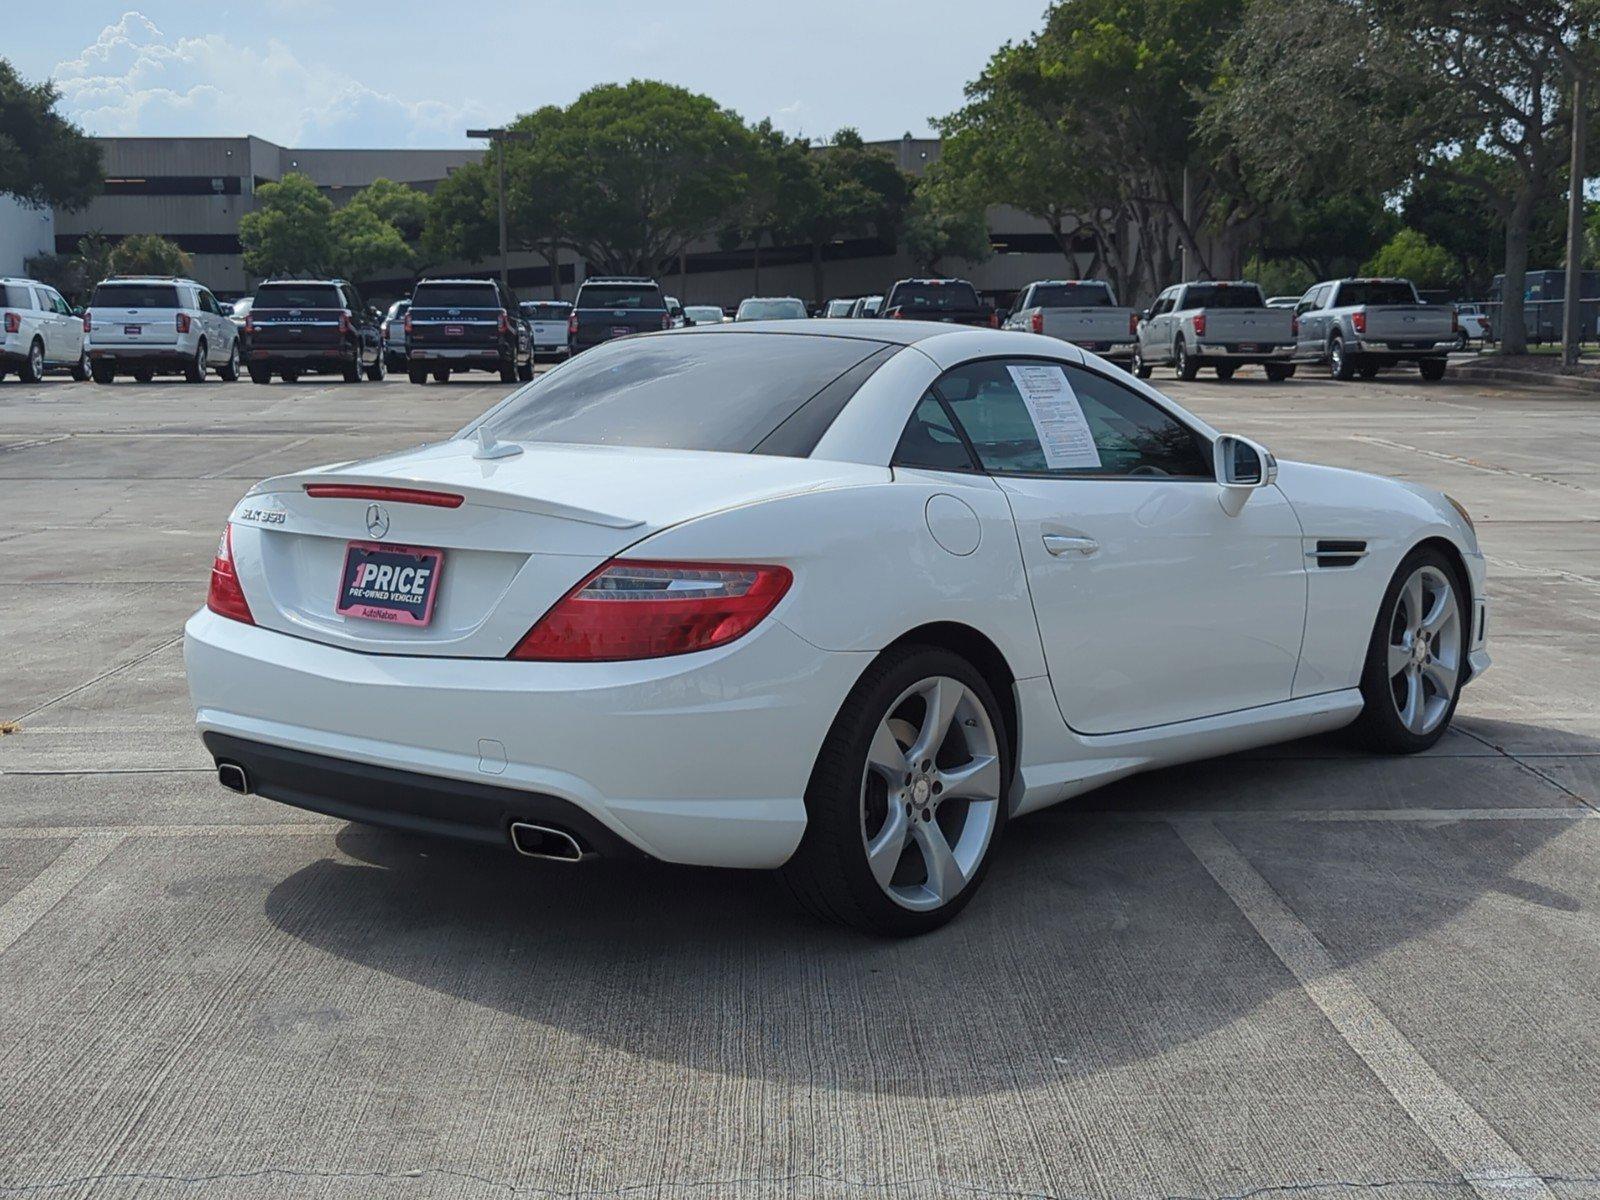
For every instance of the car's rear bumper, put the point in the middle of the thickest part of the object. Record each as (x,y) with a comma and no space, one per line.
(329,357)
(1230,352)
(488,358)
(162,358)
(701,758)
(1383,349)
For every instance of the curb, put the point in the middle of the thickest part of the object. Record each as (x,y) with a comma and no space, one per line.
(1569,383)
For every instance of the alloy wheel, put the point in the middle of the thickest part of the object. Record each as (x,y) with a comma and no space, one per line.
(930,793)
(1424,649)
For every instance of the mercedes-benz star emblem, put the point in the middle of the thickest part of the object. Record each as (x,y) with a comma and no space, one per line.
(377,520)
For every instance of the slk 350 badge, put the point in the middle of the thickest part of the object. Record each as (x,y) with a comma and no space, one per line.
(263,516)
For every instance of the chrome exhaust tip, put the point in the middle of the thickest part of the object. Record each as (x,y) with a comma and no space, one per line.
(543,841)
(233,777)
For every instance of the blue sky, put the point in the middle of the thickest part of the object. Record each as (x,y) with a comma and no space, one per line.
(402,73)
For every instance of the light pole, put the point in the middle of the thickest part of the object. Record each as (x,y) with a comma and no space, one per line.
(498,137)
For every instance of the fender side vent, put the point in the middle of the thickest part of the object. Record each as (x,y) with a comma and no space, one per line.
(1336,553)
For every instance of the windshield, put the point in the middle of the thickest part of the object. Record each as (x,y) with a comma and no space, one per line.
(620,295)
(241,308)
(1377,291)
(840,308)
(703,312)
(298,295)
(135,295)
(715,391)
(770,310)
(1223,295)
(555,310)
(455,295)
(935,297)
(398,309)
(1072,295)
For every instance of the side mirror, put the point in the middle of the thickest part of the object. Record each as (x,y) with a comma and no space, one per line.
(1242,466)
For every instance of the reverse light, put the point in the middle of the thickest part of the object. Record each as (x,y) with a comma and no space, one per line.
(1037,322)
(633,608)
(1200,324)
(225,597)
(183,322)
(1358,321)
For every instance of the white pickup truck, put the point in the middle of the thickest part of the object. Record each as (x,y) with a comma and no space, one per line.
(1081,311)
(1223,324)
(1358,326)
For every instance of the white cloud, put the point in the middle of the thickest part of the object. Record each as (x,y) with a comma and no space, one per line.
(135,80)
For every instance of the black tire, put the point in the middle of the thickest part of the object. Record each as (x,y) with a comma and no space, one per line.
(1138,366)
(32,368)
(289,376)
(102,372)
(194,371)
(352,369)
(1367,370)
(1461,339)
(81,369)
(1380,727)
(441,375)
(1341,366)
(377,370)
(417,375)
(1432,369)
(1185,365)
(144,374)
(829,875)
(1225,372)
(229,371)
(2,376)
(508,371)
(260,373)
(1278,372)
(525,371)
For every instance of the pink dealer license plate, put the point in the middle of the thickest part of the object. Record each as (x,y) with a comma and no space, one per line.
(396,584)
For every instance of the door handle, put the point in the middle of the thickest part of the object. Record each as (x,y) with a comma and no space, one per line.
(1059,544)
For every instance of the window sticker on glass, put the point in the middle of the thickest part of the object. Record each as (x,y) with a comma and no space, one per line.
(1057,416)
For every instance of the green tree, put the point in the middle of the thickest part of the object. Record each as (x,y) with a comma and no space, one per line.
(461,223)
(365,243)
(539,183)
(149,254)
(1327,235)
(398,204)
(74,275)
(290,232)
(854,190)
(1412,256)
(44,158)
(935,230)
(777,173)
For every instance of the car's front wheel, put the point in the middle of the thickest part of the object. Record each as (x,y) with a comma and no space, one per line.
(907,801)
(1411,680)
(1138,366)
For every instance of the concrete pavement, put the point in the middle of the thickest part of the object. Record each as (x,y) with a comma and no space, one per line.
(1299,970)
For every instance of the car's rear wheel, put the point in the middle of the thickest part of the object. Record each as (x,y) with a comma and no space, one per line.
(143,374)
(1278,372)
(508,371)
(194,370)
(1340,364)
(525,370)
(906,802)
(80,369)
(1432,369)
(290,376)
(102,372)
(1411,680)
(352,369)
(229,371)
(442,375)
(1225,372)
(32,369)
(1184,364)
(260,374)
(377,370)
(1138,366)
(1368,370)
(417,375)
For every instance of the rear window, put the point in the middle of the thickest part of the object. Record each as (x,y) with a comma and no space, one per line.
(1377,291)
(935,297)
(135,295)
(398,309)
(716,391)
(14,295)
(1214,295)
(298,295)
(620,295)
(771,310)
(1073,295)
(455,295)
(553,311)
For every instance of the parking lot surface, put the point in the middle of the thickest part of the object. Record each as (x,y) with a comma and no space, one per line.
(1297,971)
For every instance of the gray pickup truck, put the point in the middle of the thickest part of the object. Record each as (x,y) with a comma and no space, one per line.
(1358,326)
(1223,324)
(1081,311)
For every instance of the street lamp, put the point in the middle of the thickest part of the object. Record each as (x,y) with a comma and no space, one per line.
(502,136)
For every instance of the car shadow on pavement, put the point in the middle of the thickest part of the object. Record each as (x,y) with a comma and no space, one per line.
(1098,939)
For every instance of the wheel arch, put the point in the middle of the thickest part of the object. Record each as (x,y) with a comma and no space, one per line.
(1458,561)
(990,662)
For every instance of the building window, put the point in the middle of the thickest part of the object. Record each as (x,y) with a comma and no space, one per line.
(174,185)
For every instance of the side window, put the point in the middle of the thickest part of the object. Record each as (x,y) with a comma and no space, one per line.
(208,303)
(352,298)
(1130,435)
(54,302)
(930,440)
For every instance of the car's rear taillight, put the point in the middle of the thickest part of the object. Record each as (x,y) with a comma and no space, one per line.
(249,323)
(632,609)
(572,325)
(407,323)
(666,320)
(88,326)
(1200,324)
(1358,321)
(505,321)
(1037,322)
(183,322)
(1133,323)
(345,326)
(225,597)
(385,329)
(994,319)
(1294,325)
(13,322)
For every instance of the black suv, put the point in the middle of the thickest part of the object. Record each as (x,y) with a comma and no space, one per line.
(312,327)
(615,307)
(951,300)
(466,325)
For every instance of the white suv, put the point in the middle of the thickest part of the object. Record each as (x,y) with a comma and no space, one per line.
(143,325)
(39,331)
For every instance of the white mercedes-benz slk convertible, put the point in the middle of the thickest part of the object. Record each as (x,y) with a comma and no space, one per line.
(835,597)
